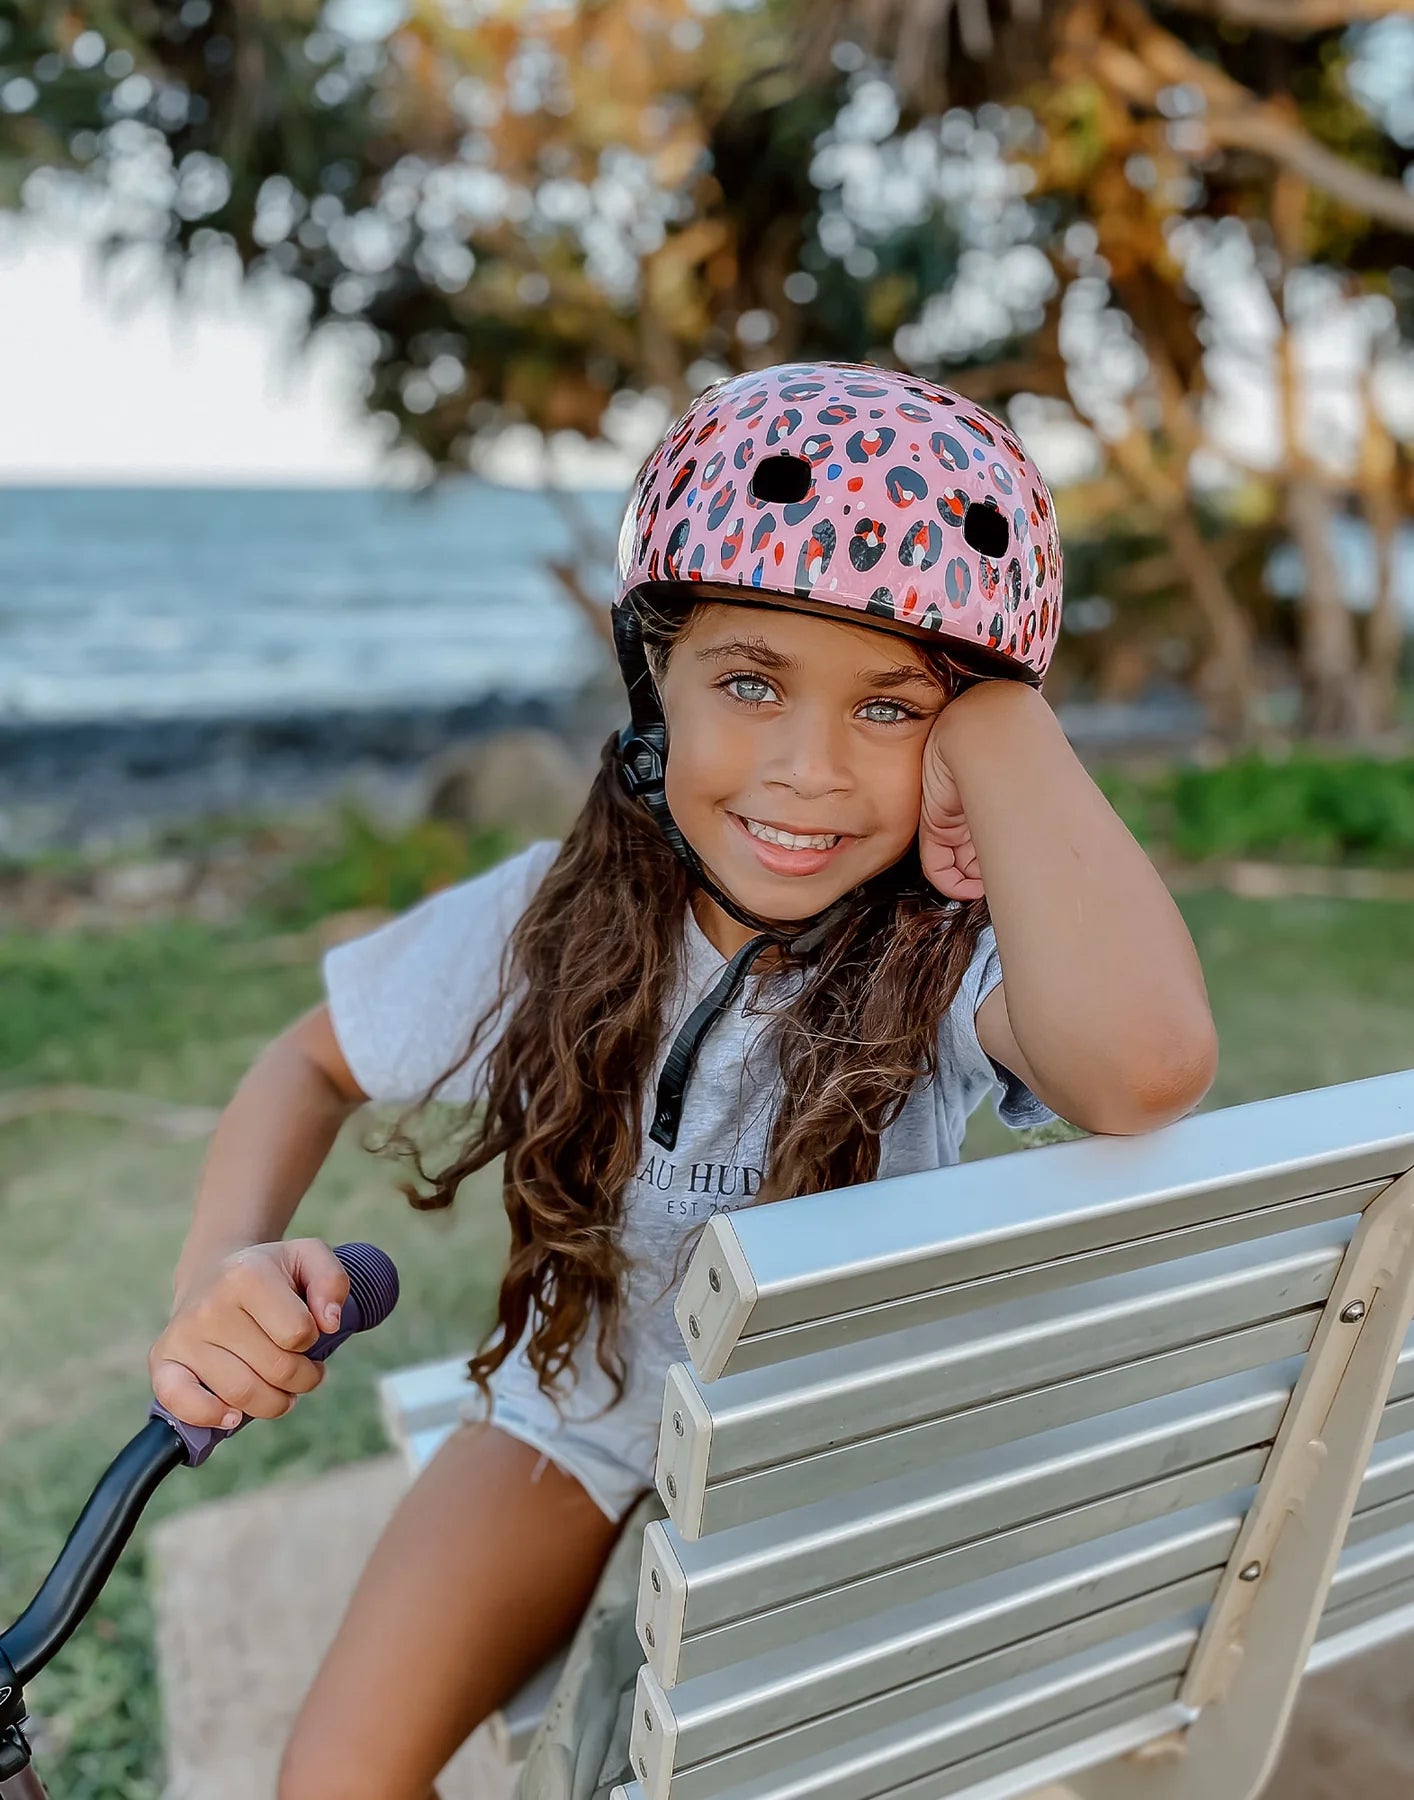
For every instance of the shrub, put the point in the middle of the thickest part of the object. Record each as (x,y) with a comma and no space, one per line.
(367,866)
(1306,808)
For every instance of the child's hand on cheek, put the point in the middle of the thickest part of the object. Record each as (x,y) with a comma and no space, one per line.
(945,845)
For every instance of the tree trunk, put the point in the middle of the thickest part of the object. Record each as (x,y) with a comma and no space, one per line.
(1379,496)
(1235,705)
(1332,690)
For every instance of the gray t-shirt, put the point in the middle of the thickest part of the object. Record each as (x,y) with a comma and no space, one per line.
(403,1000)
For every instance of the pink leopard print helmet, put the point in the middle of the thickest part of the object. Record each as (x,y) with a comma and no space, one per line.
(859,487)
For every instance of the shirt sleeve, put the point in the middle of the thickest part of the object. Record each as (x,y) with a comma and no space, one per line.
(1016,1105)
(403,998)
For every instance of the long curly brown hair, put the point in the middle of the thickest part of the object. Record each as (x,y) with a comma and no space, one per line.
(585,979)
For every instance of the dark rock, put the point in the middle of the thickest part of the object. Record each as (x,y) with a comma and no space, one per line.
(526,780)
(94,782)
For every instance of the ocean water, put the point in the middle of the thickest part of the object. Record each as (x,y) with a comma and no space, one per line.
(169,603)
(191,602)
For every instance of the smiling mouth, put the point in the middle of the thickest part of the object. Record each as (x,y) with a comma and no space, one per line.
(791,840)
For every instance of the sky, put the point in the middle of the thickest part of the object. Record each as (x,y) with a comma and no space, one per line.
(102,386)
(112,379)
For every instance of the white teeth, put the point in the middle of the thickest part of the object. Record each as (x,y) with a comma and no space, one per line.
(823,840)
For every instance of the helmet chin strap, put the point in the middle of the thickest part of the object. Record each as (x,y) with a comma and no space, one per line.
(642,765)
(641,762)
(642,749)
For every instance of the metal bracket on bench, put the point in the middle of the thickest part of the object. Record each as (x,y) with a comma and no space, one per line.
(1372,1299)
(1252,1651)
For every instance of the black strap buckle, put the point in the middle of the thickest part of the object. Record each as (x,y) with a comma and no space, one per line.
(643,760)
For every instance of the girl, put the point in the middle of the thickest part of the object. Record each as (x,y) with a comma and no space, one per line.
(840,878)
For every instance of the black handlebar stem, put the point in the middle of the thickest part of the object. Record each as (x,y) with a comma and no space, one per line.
(94,1545)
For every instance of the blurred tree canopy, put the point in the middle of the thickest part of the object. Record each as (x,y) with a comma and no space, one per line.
(1105,216)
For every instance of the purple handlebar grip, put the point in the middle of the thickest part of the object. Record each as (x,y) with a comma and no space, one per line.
(373,1293)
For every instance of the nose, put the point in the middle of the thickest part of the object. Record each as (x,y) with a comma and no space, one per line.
(810,754)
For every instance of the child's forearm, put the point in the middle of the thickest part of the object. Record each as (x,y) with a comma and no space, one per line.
(1104,990)
(268,1145)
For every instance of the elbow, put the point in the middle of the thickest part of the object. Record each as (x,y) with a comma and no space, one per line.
(1159,1085)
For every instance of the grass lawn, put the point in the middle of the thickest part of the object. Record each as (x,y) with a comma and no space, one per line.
(92,1213)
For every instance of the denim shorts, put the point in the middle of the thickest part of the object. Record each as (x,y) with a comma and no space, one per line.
(613,1467)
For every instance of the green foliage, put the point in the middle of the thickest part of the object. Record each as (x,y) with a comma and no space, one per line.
(1308,808)
(83,1008)
(368,866)
(100,1701)
(79,1006)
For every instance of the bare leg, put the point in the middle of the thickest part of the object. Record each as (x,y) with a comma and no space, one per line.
(480,1575)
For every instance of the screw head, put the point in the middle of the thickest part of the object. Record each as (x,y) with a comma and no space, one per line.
(1250,1573)
(647,1719)
(672,1488)
(648,1636)
(677,1423)
(657,1585)
(714,1281)
(1352,1314)
(693,1327)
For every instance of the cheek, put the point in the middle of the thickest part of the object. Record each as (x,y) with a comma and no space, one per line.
(898,791)
(706,762)
(683,787)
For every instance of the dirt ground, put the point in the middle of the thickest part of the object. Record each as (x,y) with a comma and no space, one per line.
(1352,1735)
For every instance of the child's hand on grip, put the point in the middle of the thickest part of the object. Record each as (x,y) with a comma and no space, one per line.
(235,1341)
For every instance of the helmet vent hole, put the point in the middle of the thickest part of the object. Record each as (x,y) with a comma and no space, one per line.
(985,529)
(784,479)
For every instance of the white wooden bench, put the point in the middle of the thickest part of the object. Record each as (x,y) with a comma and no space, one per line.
(980,1480)
(1059,1467)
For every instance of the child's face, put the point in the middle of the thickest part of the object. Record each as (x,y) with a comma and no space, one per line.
(806,726)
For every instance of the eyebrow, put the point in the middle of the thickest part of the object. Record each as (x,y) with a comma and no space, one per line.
(899,675)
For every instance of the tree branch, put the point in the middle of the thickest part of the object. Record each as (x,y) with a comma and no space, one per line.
(1296,18)
(1133,455)
(1259,128)
(595,550)
(1237,120)
(593,611)
(1000,380)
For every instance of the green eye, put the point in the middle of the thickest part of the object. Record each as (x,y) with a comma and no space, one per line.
(899,712)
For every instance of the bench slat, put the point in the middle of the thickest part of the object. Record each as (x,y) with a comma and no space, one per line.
(1378,1553)
(731,1737)
(1068,1484)
(1097,1735)
(857,1390)
(806,1259)
(790,1341)
(901,1639)
(699,1508)
(840,1607)
(917,1737)
(1362,1625)
(983,1632)
(839,1733)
